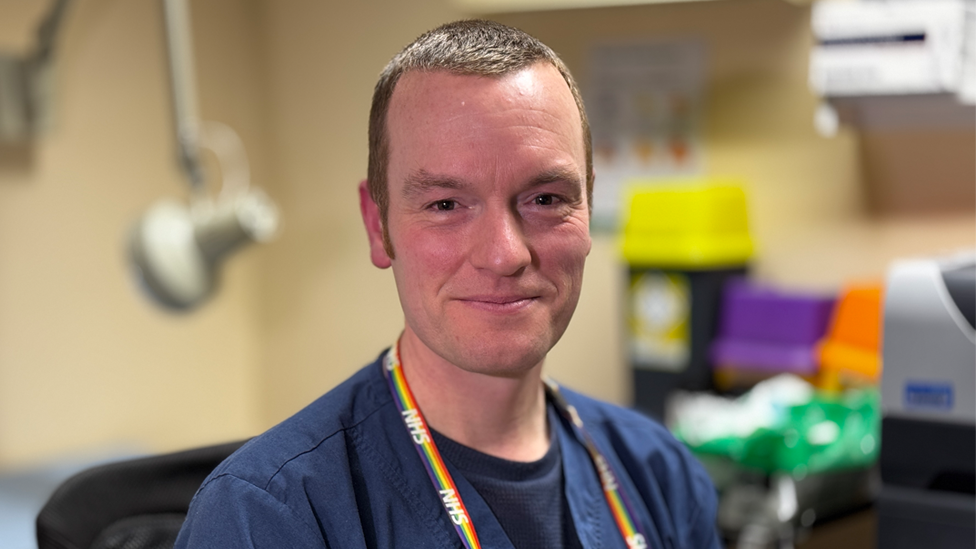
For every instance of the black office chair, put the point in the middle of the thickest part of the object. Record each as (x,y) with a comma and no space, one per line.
(134,504)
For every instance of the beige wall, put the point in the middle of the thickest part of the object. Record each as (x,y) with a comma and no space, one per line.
(85,361)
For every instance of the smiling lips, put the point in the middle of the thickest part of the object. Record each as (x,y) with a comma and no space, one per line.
(499,304)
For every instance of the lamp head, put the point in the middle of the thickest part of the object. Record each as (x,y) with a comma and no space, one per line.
(176,252)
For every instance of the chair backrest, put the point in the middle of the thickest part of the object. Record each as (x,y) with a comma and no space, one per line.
(134,504)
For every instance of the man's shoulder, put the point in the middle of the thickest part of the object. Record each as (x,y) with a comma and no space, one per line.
(310,432)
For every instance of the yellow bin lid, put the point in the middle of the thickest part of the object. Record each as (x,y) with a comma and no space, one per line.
(695,225)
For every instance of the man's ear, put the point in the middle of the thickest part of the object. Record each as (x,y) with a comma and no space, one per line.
(374,227)
(589,207)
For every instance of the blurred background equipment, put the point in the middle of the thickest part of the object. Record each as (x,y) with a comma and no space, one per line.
(784,456)
(763,332)
(792,438)
(916,54)
(26,83)
(848,355)
(887,48)
(682,242)
(928,455)
(176,251)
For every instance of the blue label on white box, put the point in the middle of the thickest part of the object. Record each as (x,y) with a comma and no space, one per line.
(922,395)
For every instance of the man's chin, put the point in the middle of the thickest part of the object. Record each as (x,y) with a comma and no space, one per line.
(503,349)
(504,357)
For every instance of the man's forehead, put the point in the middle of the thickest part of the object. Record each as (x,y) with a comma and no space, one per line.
(427,89)
(444,106)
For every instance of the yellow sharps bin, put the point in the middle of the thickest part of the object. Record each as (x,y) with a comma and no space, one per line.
(682,242)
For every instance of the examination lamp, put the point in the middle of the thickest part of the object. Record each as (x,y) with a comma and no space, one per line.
(176,251)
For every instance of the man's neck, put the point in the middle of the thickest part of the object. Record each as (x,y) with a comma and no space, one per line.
(501,416)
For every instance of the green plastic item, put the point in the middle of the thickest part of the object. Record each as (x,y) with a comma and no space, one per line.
(830,432)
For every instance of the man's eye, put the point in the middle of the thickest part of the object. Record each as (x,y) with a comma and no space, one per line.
(444,205)
(544,200)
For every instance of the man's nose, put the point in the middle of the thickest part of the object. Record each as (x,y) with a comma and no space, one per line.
(499,244)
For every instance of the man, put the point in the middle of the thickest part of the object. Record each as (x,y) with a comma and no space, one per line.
(478,197)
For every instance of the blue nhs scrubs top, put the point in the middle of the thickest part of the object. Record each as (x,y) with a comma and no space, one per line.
(344,473)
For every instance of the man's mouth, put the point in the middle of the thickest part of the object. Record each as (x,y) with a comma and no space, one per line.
(499,303)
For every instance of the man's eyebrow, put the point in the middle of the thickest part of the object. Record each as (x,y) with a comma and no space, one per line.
(554,175)
(560,174)
(422,181)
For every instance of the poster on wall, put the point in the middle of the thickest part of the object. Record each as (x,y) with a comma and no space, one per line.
(645,103)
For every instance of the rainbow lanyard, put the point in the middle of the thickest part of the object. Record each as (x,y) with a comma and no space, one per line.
(450,498)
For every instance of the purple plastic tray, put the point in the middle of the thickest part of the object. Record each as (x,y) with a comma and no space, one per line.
(765,329)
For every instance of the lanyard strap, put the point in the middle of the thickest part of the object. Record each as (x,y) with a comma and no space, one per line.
(416,425)
(620,506)
(424,442)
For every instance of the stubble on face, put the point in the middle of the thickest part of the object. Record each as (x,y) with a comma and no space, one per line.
(488,215)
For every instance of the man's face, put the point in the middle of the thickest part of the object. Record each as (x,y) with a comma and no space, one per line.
(487,214)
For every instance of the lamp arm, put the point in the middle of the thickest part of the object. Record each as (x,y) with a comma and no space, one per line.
(179,48)
(47,31)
